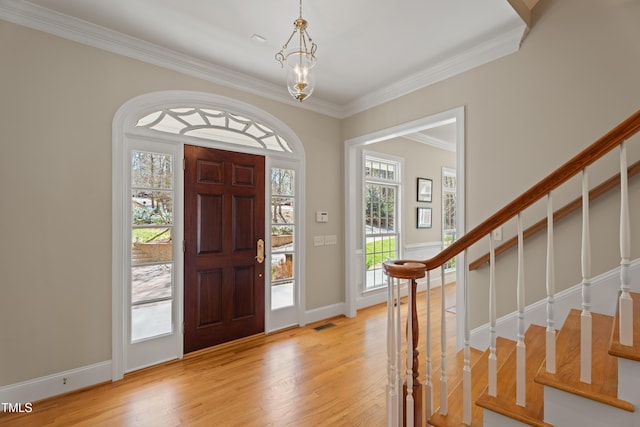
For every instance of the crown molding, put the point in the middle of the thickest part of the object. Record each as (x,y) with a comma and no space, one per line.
(432,141)
(42,19)
(506,43)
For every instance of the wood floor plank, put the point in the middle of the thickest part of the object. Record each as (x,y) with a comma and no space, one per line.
(297,377)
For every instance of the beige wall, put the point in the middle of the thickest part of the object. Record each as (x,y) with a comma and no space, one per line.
(57,102)
(420,160)
(574,78)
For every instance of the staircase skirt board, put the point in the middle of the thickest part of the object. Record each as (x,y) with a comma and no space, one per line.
(567,409)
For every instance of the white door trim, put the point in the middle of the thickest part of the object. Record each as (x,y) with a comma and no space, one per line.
(123,128)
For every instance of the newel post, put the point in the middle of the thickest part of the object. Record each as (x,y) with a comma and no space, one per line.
(412,389)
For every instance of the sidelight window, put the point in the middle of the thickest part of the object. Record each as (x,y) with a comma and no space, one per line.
(283,228)
(152,266)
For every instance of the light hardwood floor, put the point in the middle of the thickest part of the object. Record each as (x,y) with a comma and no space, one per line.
(298,377)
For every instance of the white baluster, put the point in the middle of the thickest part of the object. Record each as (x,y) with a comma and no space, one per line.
(392,398)
(466,378)
(626,303)
(409,398)
(551,290)
(520,346)
(443,348)
(493,361)
(428,385)
(585,318)
(398,336)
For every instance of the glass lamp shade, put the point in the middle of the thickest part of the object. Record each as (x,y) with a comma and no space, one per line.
(301,82)
(300,76)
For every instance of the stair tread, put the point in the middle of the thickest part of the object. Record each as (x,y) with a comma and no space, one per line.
(454,379)
(604,372)
(478,383)
(505,401)
(619,350)
(454,373)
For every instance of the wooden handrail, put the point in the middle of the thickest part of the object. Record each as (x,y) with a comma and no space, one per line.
(601,189)
(589,155)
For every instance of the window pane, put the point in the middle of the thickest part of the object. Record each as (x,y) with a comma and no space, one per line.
(281,266)
(380,208)
(151,170)
(150,320)
(449,213)
(151,207)
(282,295)
(381,169)
(282,238)
(151,282)
(282,210)
(282,182)
(151,244)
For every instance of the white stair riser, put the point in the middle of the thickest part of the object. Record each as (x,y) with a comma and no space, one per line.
(494,419)
(568,410)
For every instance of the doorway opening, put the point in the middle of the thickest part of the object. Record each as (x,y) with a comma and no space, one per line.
(422,236)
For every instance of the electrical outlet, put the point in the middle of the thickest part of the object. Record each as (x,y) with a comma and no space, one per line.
(497,233)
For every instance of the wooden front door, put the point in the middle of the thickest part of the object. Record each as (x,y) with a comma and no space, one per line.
(224,220)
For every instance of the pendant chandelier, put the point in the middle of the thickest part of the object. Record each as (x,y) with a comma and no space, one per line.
(300,60)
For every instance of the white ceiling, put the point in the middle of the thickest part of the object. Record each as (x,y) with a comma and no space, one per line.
(369,51)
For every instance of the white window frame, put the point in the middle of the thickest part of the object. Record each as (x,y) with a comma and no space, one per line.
(449,172)
(398,184)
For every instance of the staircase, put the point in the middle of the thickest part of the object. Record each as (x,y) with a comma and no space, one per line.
(587,373)
(559,399)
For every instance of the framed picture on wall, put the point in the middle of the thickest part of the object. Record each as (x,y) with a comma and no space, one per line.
(424,218)
(425,187)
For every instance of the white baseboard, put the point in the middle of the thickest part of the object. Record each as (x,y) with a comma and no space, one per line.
(51,385)
(317,314)
(604,294)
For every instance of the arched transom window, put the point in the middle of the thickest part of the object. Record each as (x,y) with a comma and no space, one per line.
(215,125)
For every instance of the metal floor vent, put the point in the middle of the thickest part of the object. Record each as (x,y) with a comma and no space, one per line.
(325,326)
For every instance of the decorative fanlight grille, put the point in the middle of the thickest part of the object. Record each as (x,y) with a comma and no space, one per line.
(214,125)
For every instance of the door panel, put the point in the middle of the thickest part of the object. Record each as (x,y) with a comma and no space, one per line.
(224,218)
(210,220)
